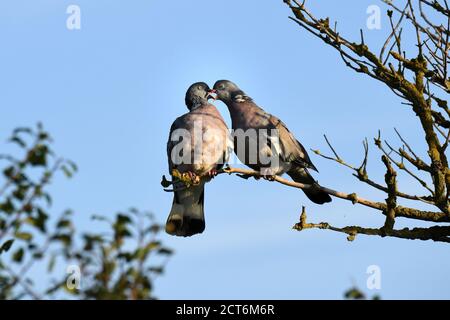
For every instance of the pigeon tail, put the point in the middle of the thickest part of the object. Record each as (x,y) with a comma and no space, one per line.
(187,216)
(303,176)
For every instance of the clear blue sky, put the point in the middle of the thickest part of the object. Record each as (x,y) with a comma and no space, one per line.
(109,92)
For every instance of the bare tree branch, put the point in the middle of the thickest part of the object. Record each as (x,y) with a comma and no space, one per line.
(436,233)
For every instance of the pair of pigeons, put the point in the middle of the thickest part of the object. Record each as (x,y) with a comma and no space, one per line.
(200,144)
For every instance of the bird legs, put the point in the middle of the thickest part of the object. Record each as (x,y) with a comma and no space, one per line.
(213,173)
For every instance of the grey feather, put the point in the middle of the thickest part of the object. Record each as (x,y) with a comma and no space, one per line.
(246,114)
(210,147)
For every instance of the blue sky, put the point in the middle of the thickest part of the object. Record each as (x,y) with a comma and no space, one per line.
(109,92)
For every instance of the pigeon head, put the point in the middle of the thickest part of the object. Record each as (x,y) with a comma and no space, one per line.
(227,91)
(197,95)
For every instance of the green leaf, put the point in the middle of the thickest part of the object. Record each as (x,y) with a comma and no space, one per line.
(126,256)
(63,224)
(38,255)
(18,255)
(18,141)
(6,246)
(51,263)
(153,245)
(66,239)
(43,136)
(354,293)
(165,251)
(123,219)
(67,213)
(9,172)
(157,270)
(38,155)
(20,192)
(90,241)
(7,206)
(47,198)
(141,254)
(40,221)
(73,166)
(28,208)
(26,236)
(22,130)
(123,233)
(154,228)
(99,218)
(66,171)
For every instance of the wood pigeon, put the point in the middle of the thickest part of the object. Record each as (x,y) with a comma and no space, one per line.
(199,145)
(277,143)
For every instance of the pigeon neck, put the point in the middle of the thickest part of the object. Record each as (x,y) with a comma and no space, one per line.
(234,101)
(240,96)
(237,109)
(198,102)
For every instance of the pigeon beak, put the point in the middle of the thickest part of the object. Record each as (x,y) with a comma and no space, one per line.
(211,96)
